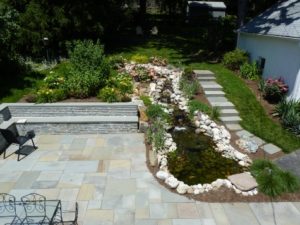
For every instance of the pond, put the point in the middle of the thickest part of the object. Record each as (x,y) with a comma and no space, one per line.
(195,161)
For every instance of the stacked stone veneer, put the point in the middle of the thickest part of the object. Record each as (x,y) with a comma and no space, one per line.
(71,118)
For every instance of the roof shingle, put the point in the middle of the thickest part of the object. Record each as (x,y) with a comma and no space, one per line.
(282,19)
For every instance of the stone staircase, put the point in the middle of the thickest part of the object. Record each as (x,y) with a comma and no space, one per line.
(229,115)
(216,97)
(71,118)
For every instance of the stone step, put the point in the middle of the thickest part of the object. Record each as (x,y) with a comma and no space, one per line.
(223,105)
(229,112)
(206,78)
(210,86)
(230,119)
(217,99)
(214,93)
(233,127)
(203,73)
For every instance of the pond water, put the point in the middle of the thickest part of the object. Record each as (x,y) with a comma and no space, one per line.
(195,160)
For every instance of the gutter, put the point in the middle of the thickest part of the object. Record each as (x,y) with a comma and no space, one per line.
(268,35)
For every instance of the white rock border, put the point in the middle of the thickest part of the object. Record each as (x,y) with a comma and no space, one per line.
(220,136)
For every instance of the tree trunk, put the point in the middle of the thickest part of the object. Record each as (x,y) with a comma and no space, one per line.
(242,11)
(142,13)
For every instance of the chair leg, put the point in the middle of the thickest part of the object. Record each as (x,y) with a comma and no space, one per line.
(4,153)
(35,147)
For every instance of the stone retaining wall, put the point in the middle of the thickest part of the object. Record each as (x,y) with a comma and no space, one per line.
(78,128)
(67,109)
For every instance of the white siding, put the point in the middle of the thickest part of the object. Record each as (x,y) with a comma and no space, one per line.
(282,58)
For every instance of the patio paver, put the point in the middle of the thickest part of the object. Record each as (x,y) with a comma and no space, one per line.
(109,179)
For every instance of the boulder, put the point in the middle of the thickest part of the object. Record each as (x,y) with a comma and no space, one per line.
(172,182)
(243,181)
(162,175)
(182,188)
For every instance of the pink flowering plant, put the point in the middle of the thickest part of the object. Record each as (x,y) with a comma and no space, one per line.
(274,89)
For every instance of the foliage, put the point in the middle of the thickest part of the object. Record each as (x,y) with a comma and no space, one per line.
(141,59)
(249,71)
(273,89)
(88,69)
(189,87)
(158,61)
(215,113)
(146,100)
(156,134)
(188,73)
(117,61)
(121,81)
(141,74)
(50,95)
(289,113)
(195,105)
(234,59)
(53,81)
(109,94)
(272,180)
(155,111)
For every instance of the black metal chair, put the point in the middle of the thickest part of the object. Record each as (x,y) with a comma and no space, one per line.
(71,222)
(12,138)
(35,209)
(8,208)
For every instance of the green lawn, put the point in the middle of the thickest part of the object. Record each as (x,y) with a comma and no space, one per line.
(255,119)
(180,52)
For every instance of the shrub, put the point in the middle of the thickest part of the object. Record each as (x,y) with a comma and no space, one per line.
(158,61)
(141,59)
(123,82)
(189,87)
(89,69)
(117,62)
(155,111)
(156,134)
(289,113)
(188,73)
(146,100)
(249,71)
(234,59)
(109,94)
(273,89)
(272,180)
(50,95)
(54,81)
(141,74)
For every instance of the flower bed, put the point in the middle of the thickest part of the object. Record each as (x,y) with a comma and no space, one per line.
(220,136)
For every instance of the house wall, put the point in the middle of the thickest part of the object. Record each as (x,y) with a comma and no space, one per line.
(282,58)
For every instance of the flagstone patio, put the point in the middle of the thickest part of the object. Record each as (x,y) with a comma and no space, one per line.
(107,175)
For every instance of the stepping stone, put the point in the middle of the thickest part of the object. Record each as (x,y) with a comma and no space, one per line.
(203,72)
(244,133)
(257,140)
(214,93)
(230,119)
(229,112)
(291,163)
(223,105)
(233,127)
(217,99)
(243,181)
(271,149)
